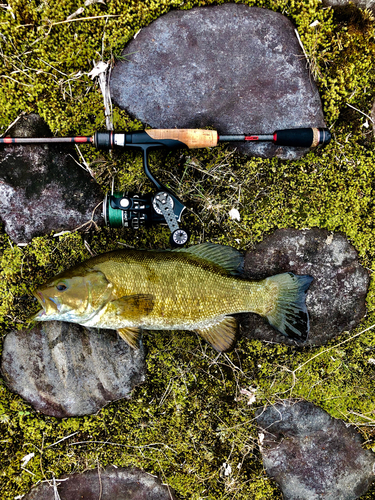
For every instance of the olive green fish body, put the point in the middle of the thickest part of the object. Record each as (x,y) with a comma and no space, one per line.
(191,289)
(186,293)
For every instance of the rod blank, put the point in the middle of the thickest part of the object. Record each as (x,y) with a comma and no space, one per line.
(45,140)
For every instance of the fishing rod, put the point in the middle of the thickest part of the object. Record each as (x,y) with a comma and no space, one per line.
(123,210)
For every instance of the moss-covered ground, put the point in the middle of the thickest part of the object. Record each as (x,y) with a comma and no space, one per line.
(190,418)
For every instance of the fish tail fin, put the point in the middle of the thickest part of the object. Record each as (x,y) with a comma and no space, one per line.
(289,316)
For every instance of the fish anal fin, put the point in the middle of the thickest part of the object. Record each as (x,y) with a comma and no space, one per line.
(133,307)
(221,335)
(130,335)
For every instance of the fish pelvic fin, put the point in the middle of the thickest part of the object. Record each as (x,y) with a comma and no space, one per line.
(130,335)
(222,335)
(290,316)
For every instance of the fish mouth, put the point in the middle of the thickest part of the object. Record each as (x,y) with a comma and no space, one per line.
(42,301)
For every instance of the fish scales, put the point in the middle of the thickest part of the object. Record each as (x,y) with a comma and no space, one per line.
(187,289)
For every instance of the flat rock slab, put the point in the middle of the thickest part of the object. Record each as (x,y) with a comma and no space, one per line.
(110,484)
(235,68)
(42,188)
(65,370)
(363,4)
(336,297)
(312,455)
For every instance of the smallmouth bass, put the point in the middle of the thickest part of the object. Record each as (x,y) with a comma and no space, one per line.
(196,288)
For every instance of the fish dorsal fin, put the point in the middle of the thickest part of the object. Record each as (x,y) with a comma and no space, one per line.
(221,335)
(130,335)
(133,307)
(226,257)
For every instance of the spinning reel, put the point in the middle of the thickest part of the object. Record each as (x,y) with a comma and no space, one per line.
(134,211)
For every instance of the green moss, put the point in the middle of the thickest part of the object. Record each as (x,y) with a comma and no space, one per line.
(190,417)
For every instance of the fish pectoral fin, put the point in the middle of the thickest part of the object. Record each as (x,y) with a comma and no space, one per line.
(130,335)
(133,306)
(221,335)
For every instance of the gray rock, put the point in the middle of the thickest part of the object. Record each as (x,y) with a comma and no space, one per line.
(312,455)
(42,188)
(235,68)
(336,297)
(110,484)
(363,4)
(65,370)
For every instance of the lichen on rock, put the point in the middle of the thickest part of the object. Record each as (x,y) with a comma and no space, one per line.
(336,298)
(240,70)
(66,370)
(311,455)
(43,188)
(109,484)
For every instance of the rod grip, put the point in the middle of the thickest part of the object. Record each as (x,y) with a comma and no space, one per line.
(192,138)
(302,137)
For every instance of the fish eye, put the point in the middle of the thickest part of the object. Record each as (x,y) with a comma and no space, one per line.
(61,287)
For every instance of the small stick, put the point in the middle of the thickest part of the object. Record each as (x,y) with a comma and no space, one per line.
(359,111)
(333,347)
(13,123)
(62,439)
(84,19)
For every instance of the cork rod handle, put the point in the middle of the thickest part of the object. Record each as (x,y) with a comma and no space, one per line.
(192,138)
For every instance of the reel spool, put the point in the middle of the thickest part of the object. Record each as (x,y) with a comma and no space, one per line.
(130,211)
